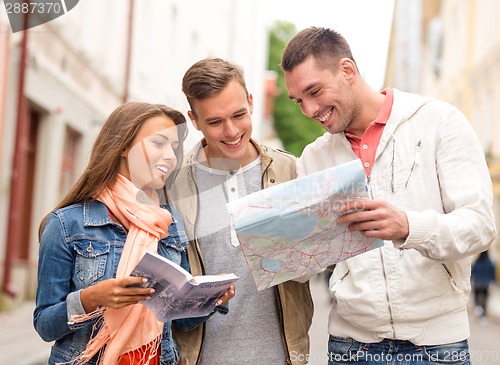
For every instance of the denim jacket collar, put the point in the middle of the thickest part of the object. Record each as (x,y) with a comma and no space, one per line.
(96,213)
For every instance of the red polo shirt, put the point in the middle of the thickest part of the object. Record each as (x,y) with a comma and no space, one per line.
(366,146)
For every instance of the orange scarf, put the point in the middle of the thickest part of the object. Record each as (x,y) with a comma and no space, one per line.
(135,327)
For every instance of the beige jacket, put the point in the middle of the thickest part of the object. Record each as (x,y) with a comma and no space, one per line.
(294,299)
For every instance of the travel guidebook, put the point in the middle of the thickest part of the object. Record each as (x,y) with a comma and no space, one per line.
(178,294)
(291,229)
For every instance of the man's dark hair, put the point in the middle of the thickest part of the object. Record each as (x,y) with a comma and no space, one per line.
(208,77)
(327,46)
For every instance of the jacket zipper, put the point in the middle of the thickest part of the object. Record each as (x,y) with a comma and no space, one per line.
(278,299)
(338,282)
(370,194)
(282,323)
(387,296)
(369,187)
(452,281)
(415,161)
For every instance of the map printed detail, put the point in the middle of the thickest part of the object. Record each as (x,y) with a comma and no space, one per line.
(291,229)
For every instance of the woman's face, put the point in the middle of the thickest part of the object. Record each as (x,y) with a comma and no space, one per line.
(151,158)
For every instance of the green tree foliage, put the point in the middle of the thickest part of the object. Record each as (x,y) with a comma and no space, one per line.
(293,128)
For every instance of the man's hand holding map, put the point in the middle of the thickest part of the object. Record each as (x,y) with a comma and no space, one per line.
(291,229)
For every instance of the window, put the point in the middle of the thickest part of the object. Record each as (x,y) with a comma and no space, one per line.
(69,161)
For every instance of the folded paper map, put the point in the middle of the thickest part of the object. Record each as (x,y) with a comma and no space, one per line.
(289,230)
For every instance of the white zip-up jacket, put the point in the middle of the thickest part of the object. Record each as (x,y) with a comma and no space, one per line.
(430,164)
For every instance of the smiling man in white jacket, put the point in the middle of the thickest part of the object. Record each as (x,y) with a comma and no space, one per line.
(431,203)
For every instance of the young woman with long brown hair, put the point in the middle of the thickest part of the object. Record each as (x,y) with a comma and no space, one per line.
(86,301)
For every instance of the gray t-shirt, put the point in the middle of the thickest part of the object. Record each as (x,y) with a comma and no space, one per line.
(250,333)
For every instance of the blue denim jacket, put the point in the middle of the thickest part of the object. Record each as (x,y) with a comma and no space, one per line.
(80,246)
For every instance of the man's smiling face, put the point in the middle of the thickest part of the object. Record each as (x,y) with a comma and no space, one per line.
(324,94)
(226,123)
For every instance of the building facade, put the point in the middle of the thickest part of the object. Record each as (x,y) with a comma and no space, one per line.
(455,56)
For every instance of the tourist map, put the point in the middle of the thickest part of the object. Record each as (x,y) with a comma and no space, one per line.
(290,230)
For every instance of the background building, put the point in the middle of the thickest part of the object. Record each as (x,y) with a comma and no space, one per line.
(450,49)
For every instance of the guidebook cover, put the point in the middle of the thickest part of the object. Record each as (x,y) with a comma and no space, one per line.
(177,293)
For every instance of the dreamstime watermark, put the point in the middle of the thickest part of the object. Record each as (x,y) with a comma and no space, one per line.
(26,14)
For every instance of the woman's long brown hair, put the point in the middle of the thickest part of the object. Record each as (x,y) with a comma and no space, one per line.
(116,134)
